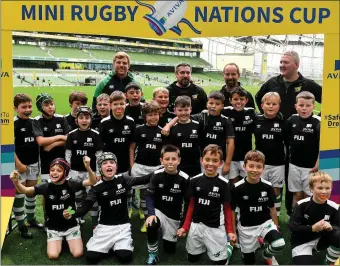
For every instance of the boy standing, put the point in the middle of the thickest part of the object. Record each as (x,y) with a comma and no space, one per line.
(315,223)
(271,138)
(76,99)
(103,110)
(50,131)
(81,142)
(209,214)
(164,200)
(184,135)
(133,93)
(148,142)
(304,133)
(26,162)
(161,96)
(255,199)
(242,118)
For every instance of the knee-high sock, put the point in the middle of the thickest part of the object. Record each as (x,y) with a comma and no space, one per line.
(333,254)
(278,199)
(30,207)
(19,209)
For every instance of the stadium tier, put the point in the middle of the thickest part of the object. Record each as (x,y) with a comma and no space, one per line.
(65,54)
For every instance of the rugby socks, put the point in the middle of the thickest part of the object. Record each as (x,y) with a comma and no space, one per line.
(229,251)
(19,209)
(278,204)
(94,214)
(271,249)
(30,207)
(332,254)
(153,248)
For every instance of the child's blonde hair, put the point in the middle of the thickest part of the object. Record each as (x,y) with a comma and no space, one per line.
(319,176)
(104,97)
(159,90)
(269,95)
(305,95)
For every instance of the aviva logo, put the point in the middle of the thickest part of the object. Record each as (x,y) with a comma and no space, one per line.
(167,15)
(335,74)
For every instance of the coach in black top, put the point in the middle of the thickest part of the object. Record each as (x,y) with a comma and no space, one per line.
(231,74)
(289,84)
(184,86)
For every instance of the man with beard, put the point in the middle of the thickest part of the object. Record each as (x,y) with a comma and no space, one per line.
(288,84)
(231,74)
(184,86)
(117,79)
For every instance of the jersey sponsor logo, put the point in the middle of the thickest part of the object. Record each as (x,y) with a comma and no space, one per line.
(263,193)
(263,199)
(143,135)
(105,193)
(204,201)
(326,218)
(29,139)
(157,139)
(215,189)
(276,128)
(119,140)
(308,129)
(175,189)
(52,197)
(167,198)
(240,129)
(126,127)
(186,145)
(211,136)
(151,146)
(161,185)
(247,117)
(111,130)
(119,186)
(89,140)
(158,135)
(194,96)
(58,207)
(23,129)
(306,216)
(218,124)
(297,137)
(248,122)
(216,255)
(176,185)
(245,197)
(198,189)
(58,125)
(58,129)
(75,141)
(179,134)
(115,202)
(258,126)
(45,128)
(297,89)
(255,209)
(65,195)
(81,152)
(267,136)
(276,125)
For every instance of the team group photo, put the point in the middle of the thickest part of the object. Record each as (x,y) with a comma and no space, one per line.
(146,152)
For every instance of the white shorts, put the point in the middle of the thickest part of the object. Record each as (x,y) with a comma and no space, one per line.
(306,248)
(139,170)
(70,234)
(219,171)
(32,173)
(274,174)
(106,237)
(169,226)
(248,235)
(202,238)
(298,179)
(236,169)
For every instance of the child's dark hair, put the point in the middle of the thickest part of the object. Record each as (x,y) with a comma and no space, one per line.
(254,155)
(239,91)
(183,101)
(77,96)
(117,96)
(213,149)
(150,107)
(170,148)
(216,95)
(21,98)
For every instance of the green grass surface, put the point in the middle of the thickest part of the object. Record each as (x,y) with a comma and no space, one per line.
(18,251)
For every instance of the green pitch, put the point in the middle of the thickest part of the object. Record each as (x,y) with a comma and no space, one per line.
(16,250)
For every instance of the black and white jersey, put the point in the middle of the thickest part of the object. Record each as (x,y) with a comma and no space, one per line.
(149,142)
(26,146)
(83,143)
(57,199)
(254,201)
(210,194)
(112,198)
(71,120)
(43,127)
(214,130)
(136,113)
(95,123)
(271,136)
(306,213)
(168,192)
(165,118)
(243,124)
(304,140)
(186,138)
(117,136)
